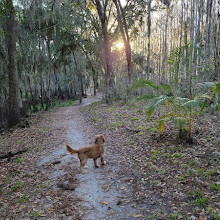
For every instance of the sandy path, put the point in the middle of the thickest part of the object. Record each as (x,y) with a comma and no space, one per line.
(98,189)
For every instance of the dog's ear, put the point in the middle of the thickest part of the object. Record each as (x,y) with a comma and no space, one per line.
(103,138)
(96,139)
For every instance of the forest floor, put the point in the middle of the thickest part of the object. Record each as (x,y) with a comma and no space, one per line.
(147,176)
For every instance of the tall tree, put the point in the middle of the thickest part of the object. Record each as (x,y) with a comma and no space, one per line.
(148,35)
(14,96)
(125,36)
(102,9)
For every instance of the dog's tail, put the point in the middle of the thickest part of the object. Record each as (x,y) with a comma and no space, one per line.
(71,150)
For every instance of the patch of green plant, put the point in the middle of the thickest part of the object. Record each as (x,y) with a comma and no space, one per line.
(166,155)
(217,216)
(164,171)
(153,130)
(134,119)
(41,186)
(70,102)
(154,157)
(196,195)
(20,142)
(209,209)
(110,109)
(155,182)
(41,148)
(7,180)
(156,152)
(191,172)
(184,165)
(34,214)
(199,198)
(200,170)
(210,173)
(154,216)
(147,128)
(201,201)
(175,161)
(174,215)
(20,160)
(192,162)
(216,187)
(113,125)
(17,186)
(181,179)
(147,174)
(140,133)
(42,130)
(23,199)
(167,144)
(95,119)
(56,104)
(177,155)
(14,188)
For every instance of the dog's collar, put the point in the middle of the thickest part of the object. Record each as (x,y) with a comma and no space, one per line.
(102,145)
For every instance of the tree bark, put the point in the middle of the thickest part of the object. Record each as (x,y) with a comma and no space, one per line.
(125,36)
(107,50)
(148,35)
(14,96)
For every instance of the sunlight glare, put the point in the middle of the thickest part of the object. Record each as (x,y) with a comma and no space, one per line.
(120,45)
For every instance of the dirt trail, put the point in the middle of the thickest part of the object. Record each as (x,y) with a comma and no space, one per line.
(99,190)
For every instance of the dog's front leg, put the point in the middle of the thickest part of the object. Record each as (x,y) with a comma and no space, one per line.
(95,163)
(103,162)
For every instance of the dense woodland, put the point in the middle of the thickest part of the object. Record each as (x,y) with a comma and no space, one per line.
(53,50)
(153,69)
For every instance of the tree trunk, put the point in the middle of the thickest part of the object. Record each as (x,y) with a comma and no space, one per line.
(79,75)
(14,96)
(107,51)
(125,36)
(197,34)
(216,33)
(148,35)
(165,48)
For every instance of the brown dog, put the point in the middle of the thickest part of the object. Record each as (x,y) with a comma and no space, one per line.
(95,151)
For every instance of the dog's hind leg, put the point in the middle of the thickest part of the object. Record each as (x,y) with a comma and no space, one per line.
(82,164)
(95,163)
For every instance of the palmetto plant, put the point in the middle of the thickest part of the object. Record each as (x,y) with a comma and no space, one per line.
(181,111)
(211,91)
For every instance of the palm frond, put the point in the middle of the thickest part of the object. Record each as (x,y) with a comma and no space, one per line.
(139,98)
(182,100)
(181,122)
(143,84)
(161,124)
(193,103)
(157,101)
(207,85)
(165,87)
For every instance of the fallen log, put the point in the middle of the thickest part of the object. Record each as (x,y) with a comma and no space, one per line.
(10,154)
